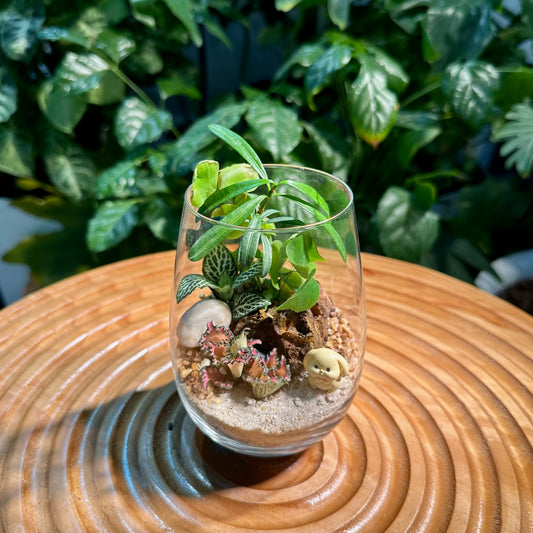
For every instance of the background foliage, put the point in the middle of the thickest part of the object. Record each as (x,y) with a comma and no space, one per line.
(423,106)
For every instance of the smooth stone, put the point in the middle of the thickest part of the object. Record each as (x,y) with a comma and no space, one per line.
(194,321)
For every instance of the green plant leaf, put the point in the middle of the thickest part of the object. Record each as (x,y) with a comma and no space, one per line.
(111,224)
(249,243)
(339,12)
(275,127)
(254,270)
(8,94)
(286,5)
(301,250)
(266,248)
(457,29)
(190,282)
(303,298)
(410,143)
(517,134)
(516,85)
(310,192)
(69,167)
(304,56)
(371,105)
(19,34)
(109,90)
(246,302)
(162,220)
(217,233)
(183,10)
(397,78)
(62,109)
(405,231)
(217,262)
(118,181)
(319,73)
(204,182)
(470,88)
(137,123)
(79,73)
(115,45)
(241,147)
(227,193)
(15,152)
(177,86)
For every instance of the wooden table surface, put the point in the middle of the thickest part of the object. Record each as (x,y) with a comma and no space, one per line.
(93,437)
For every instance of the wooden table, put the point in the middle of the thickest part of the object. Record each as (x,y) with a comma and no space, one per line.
(93,437)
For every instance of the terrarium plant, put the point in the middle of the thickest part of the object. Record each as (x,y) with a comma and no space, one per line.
(265,360)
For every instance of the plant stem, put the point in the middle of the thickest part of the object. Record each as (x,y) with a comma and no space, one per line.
(431,87)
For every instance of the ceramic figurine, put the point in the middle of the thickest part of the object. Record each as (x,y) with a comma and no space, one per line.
(326,368)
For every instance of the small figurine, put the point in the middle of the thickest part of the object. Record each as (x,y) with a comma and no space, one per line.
(326,368)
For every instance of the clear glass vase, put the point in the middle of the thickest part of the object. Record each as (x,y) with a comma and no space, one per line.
(267,330)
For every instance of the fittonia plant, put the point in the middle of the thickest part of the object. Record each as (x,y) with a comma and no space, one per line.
(260,269)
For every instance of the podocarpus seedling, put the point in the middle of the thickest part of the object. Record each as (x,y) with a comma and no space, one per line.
(261,270)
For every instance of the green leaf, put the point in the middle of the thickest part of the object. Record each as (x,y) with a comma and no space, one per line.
(189,283)
(371,105)
(177,86)
(138,123)
(79,73)
(397,78)
(8,94)
(116,46)
(111,224)
(319,73)
(303,298)
(275,127)
(118,181)
(266,246)
(286,5)
(254,270)
(217,233)
(228,193)
(409,144)
(304,56)
(470,88)
(310,192)
(162,220)
(183,152)
(15,153)
(516,85)
(218,262)
(517,134)
(406,13)
(301,250)
(457,29)
(339,12)
(69,167)
(405,231)
(249,242)
(241,147)
(245,303)
(204,182)
(183,10)
(62,109)
(19,34)
(109,90)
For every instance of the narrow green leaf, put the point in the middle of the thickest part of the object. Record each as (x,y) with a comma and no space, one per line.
(240,146)
(310,192)
(339,12)
(217,233)
(304,297)
(286,5)
(266,246)
(249,243)
(111,224)
(228,193)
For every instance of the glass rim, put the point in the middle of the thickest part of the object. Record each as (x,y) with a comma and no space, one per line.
(287,229)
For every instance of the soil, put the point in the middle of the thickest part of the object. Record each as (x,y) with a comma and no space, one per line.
(520,294)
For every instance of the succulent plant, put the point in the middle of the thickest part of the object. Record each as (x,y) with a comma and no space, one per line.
(232,357)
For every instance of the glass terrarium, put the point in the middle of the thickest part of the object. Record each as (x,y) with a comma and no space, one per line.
(267,317)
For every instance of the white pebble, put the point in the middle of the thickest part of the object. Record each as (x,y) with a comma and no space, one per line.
(194,321)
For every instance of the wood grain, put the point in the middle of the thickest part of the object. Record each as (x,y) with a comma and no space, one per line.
(93,438)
